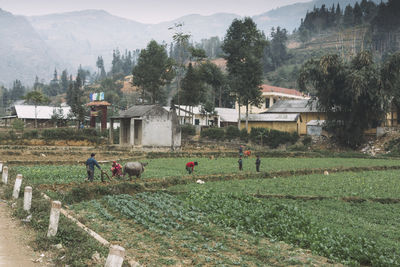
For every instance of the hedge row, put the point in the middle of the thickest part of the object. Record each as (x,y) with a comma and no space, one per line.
(261,136)
(72,134)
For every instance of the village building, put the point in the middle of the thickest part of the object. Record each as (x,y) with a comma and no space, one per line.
(41,114)
(306,108)
(315,127)
(148,126)
(282,122)
(221,117)
(270,95)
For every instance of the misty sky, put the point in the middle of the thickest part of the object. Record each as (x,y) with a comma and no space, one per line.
(146,11)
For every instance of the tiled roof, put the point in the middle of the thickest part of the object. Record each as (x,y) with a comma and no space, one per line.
(269,88)
(98,103)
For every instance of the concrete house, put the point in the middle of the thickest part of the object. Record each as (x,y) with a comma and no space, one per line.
(148,126)
(306,108)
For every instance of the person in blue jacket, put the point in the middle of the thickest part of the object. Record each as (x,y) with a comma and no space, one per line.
(90,163)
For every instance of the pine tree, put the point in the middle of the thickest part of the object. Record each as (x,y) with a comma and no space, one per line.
(64,82)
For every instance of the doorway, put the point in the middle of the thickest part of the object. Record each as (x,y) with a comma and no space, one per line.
(138,133)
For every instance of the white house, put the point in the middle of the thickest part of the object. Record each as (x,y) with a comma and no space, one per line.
(148,126)
(30,113)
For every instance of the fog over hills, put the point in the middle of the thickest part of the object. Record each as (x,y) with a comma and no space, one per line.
(36,45)
(23,53)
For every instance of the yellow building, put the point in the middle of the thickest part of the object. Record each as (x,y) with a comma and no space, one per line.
(270,95)
(305,107)
(281,122)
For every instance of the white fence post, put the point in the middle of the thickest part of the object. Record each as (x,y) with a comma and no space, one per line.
(115,256)
(17,186)
(54,217)
(4,175)
(27,198)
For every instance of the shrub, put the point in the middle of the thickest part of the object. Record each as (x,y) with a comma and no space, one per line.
(272,138)
(18,125)
(244,135)
(232,132)
(188,130)
(213,133)
(258,134)
(11,135)
(72,134)
(31,134)
(306,140)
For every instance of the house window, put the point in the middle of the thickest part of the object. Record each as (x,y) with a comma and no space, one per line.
(196,122)
(274,100)
(267,103)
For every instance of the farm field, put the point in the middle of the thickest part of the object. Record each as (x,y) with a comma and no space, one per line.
(175,167)
(311,220)
(161,230)
(367,184)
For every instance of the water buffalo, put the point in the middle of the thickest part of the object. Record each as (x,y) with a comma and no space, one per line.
(134,169)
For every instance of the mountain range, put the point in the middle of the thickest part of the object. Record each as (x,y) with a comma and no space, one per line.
(36,45)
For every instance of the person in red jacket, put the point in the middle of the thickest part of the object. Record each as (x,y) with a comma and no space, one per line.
(190,166)
(116,169)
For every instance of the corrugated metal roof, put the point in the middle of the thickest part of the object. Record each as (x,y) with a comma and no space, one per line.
(293,106)
(272,117)
(138,111)
(42,112)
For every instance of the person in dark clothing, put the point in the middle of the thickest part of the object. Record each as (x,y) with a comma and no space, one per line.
(90,163)
(190,166)
(240,151)
(240,164)
(258,163)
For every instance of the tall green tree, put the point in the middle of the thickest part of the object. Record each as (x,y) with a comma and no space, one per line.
(100,66)
(36,98)
(17,91)
(193,90)
(153,71)
(64,82)
(243,46)
(275,54)
(350,94)
(75,100)
(53,88)
(213,76)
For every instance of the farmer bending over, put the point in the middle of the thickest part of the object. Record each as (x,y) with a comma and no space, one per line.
(190,166)
(116,169)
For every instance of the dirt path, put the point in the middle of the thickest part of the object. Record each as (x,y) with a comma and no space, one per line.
(14,239)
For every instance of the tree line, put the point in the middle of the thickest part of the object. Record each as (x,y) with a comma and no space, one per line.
(382,21)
